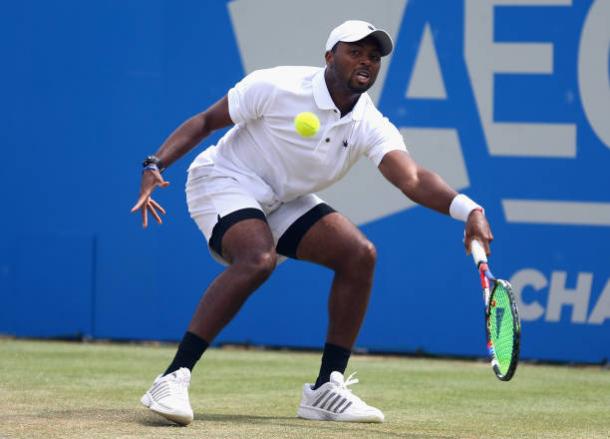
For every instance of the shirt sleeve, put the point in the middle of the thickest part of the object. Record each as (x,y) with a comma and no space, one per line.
(249,98)
(384,137)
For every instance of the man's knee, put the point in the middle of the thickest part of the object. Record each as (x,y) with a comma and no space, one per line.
(361,259)
(367,255)
(258,265)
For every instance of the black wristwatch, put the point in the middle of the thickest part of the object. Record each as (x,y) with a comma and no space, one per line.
(153,160)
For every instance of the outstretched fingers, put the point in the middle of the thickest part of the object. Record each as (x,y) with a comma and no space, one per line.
(144,212)
(141,201)
(145,204)
(157,206)
(151,207)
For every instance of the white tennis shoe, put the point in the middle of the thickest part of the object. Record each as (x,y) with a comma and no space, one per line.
(334,401)
(169,397)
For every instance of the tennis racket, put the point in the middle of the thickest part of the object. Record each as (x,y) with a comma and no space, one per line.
(502,324)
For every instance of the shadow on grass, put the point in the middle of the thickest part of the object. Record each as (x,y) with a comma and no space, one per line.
(158,421)
(290,422)
(146,418)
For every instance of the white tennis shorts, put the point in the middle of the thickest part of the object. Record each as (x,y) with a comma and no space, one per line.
(212,197)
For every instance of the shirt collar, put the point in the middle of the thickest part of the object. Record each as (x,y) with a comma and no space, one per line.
(323,100)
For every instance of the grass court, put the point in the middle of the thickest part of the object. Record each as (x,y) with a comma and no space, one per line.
(54,389)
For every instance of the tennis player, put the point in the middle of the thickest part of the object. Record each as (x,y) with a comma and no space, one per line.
(253,197)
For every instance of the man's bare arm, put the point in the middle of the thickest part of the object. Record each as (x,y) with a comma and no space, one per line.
(180,142)
(193,131)
(429,189)
(419,184)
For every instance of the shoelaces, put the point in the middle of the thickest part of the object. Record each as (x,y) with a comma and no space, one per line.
(346,391)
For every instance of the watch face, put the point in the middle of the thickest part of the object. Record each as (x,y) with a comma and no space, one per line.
(151,159)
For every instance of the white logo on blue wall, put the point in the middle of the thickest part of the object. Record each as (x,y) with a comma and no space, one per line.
(561,297)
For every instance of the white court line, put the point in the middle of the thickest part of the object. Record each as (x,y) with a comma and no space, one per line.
(577,213)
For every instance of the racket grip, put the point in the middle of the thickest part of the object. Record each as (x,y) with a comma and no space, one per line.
(478,252)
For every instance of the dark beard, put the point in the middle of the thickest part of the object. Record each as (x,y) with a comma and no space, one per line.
(354,87)
(336,79)
(358,88)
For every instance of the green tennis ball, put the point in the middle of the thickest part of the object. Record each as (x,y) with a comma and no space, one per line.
(307,124)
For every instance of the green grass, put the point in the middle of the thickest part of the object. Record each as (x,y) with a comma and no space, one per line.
(74,390)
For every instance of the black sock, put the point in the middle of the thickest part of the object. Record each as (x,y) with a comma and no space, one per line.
(334,358)
(190,350)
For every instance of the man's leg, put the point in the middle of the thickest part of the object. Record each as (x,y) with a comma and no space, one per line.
(248,247)
(334,242)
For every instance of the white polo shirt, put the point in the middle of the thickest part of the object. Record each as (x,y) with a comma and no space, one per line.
(270,159)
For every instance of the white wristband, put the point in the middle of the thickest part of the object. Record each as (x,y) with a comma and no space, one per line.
(461,206)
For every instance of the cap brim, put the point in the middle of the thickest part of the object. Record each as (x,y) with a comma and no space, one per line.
(386,45)
(385,41)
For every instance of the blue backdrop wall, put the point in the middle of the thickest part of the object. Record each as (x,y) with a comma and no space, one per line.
(520,92)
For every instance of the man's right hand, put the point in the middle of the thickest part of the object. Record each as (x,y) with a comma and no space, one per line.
(478,228)
(150,180)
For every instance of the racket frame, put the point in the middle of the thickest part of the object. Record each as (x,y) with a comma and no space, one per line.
(489,283)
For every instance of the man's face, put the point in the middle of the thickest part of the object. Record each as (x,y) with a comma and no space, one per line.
(355,64)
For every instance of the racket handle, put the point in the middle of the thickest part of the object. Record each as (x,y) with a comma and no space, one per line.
(478,252)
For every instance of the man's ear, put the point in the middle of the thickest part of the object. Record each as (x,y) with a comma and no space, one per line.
(328,56)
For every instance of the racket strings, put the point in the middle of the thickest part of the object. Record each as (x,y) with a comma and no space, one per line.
(501,327)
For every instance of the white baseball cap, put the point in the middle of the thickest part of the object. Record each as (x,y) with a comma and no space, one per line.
(355,30)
